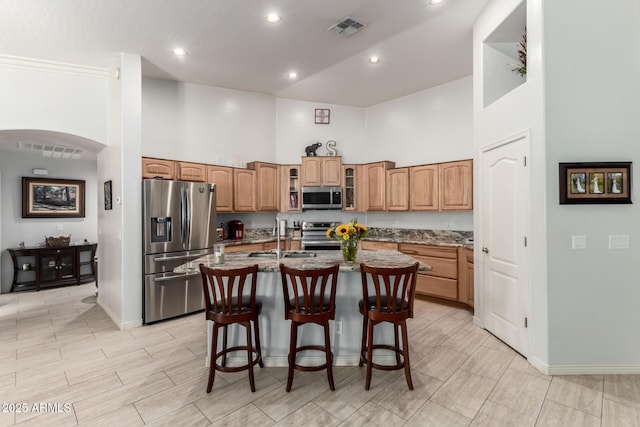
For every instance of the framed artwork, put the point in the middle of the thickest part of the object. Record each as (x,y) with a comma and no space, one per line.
(595,183)
(107,196)
(322,116)
(52,198)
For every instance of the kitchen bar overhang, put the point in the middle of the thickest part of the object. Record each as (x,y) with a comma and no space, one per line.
(274,329)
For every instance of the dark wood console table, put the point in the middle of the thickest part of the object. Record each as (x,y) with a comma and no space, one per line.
(39,267)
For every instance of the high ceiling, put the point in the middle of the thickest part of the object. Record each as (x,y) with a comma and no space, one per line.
(229,43)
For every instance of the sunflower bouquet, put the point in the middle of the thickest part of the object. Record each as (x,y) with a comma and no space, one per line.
(349,235)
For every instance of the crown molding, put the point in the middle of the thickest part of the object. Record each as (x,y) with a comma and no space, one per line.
(33,64)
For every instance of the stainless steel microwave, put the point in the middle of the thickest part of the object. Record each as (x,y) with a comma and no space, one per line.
(321,197)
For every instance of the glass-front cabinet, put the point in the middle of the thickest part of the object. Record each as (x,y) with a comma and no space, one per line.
(349,188)
(290,188)
(58,264)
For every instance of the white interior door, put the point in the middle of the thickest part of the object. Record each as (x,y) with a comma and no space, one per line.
(504,221)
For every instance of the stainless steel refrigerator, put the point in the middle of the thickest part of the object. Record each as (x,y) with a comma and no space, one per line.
(179,225)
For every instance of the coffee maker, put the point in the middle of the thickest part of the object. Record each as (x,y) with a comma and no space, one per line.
(236,230)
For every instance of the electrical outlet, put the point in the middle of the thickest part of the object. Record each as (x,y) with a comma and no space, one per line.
(60,227)
(448,224)
(578,242)
(619,242)
(338,327)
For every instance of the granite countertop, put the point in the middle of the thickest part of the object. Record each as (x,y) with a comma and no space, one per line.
(323,258)
(449,238)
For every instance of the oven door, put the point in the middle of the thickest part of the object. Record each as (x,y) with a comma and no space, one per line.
(320,245)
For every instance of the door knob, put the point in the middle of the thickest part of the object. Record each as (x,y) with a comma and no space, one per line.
(485,250)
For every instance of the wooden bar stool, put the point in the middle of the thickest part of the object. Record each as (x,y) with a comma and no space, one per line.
(226,303)
(389,294)
(309,297)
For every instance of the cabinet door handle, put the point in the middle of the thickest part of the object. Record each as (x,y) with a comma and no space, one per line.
(485,250)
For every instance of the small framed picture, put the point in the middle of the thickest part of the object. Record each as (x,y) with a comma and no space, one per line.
(322,116)
(107,196)
(595,183)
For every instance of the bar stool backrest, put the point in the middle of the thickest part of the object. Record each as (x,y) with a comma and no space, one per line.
(389,290)
(309,292)
(225,291)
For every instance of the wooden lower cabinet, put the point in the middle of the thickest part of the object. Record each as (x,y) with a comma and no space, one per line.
(378,246)
(442,280)
(244,247)
(465,273)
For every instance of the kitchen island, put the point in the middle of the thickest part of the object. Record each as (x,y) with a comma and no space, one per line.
(346,331)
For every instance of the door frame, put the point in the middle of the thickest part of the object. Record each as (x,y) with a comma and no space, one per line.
(479,260)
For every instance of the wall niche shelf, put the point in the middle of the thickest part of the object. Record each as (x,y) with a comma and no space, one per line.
(499,50)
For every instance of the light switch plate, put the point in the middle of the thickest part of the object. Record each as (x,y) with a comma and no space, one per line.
(578,242)
(620,241)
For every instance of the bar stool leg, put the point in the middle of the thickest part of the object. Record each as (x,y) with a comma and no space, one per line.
(395,332)
(364,339)
(224,344)
(213,359)
(252,382)
(292,353)
(369,354)
(405,353)
(258,348)
(329,356)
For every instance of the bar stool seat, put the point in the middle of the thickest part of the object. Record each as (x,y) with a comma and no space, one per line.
(309,297)
(390,294)
(227,303)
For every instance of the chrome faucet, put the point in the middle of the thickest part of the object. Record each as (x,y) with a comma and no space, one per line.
(276,230)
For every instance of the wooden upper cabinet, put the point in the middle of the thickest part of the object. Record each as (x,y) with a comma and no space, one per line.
(397,189)
(322,170)
(456,185)
(331,170)
(290,188)
(423,181)
(267,189)
(222,177)
(158,168)
(191,171)
(374,178)
(244,190)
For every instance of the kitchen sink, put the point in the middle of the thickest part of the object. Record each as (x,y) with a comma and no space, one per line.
(272,254)
(299,255)
(262,254)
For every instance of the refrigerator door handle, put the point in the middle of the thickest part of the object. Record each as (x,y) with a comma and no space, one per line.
(188,219)
(183,217)
(167,278)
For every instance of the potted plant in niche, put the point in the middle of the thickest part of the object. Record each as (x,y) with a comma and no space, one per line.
(349,235)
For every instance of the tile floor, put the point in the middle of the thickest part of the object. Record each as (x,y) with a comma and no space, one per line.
(63,363)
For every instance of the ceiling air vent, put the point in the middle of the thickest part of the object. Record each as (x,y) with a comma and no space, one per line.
(55,151)
(347,27)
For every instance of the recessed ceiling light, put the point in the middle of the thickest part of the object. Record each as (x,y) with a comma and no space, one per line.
(374,59)
(179,51)
(293,75)
(435,1)
(273,18)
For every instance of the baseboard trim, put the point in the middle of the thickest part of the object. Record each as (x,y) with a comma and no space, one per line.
(115,319)
(583,369)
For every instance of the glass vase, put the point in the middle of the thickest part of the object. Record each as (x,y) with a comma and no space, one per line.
(349,250)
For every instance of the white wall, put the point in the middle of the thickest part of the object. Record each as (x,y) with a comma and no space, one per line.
(206,124)
(431,126)
(32,231)
(296,129)
(51,96)
(592,112)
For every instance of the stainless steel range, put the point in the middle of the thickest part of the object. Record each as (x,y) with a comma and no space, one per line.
(314,236)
